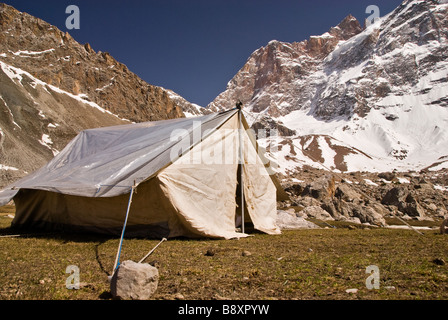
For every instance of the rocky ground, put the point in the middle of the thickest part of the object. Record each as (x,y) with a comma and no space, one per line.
(372,198)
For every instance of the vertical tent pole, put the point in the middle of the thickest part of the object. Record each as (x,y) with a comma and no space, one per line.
(240,112)
(117,259)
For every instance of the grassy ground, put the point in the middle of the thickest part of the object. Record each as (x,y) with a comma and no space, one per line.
(308,264)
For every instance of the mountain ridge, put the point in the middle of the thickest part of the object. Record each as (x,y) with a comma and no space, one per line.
(378,93)
(52,87)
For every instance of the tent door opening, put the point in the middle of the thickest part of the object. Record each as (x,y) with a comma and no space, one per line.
(248,225)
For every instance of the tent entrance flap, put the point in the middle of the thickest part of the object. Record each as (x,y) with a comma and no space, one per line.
(241,206)
(260,192)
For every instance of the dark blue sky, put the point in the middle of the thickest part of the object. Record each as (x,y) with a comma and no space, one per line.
(195,47)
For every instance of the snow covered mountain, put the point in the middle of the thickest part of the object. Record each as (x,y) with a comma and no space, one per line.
(52,87)
(355,98)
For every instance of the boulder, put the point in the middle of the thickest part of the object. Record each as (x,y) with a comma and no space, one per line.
(380,209)
(329,206)
(295,189)
(441,213)
(317,213)
(308,202)
(322,188)
(424,187)
(370,215)
(411,207)
(346,193)
(394,196)
(290,221)
(405,201)
(354,211)
(432,207)
(134,281)
(389,176)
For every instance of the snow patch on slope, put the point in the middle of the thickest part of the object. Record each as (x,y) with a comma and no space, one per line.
(16,75)
(7,168)
(47,142)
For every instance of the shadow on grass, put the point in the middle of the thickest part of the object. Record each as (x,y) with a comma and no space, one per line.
(12,232)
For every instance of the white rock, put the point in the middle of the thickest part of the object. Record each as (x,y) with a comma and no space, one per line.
(351,291)
(390,288)
(134,281)
(290,221)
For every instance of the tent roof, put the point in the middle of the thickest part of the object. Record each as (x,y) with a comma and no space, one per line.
(118,156)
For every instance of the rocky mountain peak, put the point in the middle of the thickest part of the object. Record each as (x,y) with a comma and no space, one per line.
(348,28)
(281,62)
(354,98)
(54,57)
(52,87)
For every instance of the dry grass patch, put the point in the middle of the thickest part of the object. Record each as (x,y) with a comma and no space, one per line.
(309,264)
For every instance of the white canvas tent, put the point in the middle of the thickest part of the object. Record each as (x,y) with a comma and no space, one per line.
(186,173)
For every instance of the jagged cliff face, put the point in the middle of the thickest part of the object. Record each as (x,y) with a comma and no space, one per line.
(52,87)
(355,98)
(274,79)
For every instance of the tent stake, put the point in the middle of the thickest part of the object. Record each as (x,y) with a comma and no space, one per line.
(117,259)
(240,112)
(150,252)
